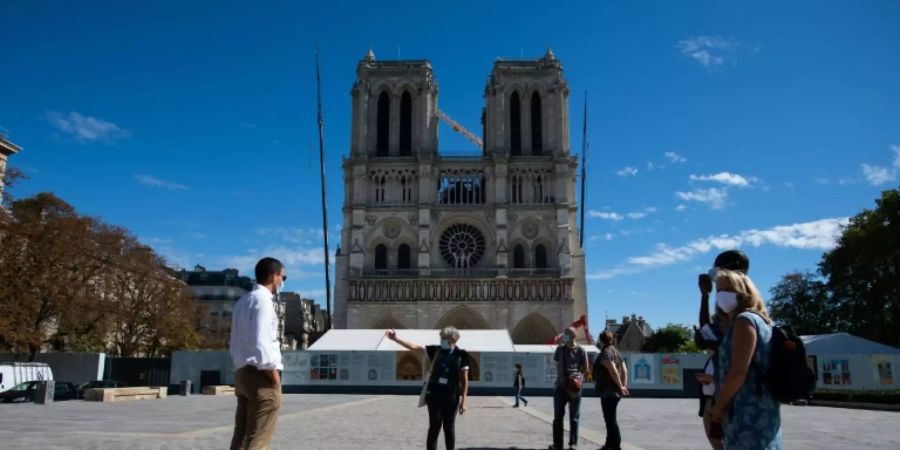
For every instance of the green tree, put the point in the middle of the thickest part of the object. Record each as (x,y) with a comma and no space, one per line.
(802,300)
(668,339)
(863,271)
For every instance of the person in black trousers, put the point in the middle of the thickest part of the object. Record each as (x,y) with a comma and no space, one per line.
(571,365)
(519,385)
(448,385)
(611,377)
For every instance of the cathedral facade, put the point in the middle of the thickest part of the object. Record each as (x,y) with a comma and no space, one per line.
(477,242)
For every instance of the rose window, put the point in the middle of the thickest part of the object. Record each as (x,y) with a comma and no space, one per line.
(462,245)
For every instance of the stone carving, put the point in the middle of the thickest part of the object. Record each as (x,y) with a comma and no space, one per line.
(424,246)
(370,219)
(476,289)
(513,218)
(502,246)
(413,219)
(530,229)
(392,229)
(549,217)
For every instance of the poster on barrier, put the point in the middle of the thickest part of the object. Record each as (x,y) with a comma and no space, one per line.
(836,372)
(671,370)
(884,372)
(643,368)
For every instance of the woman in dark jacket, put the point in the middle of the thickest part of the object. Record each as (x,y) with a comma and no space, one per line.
(612,385)
(448,385)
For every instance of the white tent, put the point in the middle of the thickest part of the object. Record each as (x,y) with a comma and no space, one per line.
(362,340)
(845,344)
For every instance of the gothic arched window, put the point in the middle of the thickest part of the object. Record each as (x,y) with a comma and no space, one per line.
(537,137)
(383,133)
(540,257)
(515,125)
(380,257)
(404,257)
(518,257)
(405,124)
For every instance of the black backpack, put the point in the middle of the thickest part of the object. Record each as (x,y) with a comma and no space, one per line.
(789,377)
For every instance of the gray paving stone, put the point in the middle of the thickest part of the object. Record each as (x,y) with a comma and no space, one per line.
(393,422)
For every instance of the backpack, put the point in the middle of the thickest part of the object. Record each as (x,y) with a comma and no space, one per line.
(789,377)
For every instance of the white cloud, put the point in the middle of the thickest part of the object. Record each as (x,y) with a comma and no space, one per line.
(878,175)
(674,157)
(681,207)
(627,172)
(156,182)
(86,128)
(602,237)
(727,178)
(594,214)
(294,235)
(714,197)
(816,235)
(290,256)
(614,216)
(709,51)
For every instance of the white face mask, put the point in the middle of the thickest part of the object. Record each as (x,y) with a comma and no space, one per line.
(445,344)
(726,301)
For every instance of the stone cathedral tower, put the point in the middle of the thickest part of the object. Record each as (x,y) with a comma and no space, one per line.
(485,241)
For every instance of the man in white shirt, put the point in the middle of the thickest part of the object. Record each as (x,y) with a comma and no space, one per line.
(256,354)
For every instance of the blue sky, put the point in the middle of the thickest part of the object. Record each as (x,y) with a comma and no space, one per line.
(711,125)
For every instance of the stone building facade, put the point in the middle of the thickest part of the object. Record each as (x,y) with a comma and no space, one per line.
(483,241)
(7,149)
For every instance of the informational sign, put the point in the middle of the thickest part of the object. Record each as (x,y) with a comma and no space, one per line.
(671,370)
(643,368)
(884,372)
(836,372)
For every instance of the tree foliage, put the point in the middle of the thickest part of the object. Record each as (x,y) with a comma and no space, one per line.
(863,271)
(802,300)
(70,282)
(857,288)
(668,339)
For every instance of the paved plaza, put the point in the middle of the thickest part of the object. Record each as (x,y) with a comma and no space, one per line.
(393,422)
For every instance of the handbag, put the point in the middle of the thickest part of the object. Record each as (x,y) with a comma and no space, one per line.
(572,385)
(425,384)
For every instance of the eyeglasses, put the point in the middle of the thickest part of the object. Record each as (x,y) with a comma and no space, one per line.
(284,278)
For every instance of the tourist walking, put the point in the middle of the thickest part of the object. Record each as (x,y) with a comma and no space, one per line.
(256,352)
(571,365)
(519,385)
(448,384)
(751,417)
(611,378)
(709,335)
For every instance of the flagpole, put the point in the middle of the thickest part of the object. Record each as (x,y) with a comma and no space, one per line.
(322,180)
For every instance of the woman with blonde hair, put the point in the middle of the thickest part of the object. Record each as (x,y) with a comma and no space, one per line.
(749,414)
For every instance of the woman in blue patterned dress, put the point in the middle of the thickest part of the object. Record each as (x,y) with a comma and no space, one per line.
(750,416)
